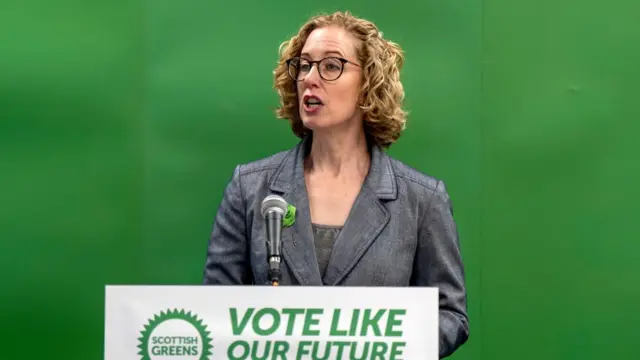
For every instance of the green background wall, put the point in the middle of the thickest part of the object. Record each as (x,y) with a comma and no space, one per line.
(121,122)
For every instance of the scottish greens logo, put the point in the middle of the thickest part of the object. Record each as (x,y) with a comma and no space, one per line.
(175,334)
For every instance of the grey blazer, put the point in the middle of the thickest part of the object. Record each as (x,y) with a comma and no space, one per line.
(400,232)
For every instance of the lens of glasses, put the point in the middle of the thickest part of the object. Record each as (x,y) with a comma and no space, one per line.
(329,68)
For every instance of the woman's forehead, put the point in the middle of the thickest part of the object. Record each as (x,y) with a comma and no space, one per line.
(329,41)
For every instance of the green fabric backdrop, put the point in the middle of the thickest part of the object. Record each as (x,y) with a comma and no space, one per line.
(121,122)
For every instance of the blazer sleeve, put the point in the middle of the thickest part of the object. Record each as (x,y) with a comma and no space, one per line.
(438,263)
(227,261)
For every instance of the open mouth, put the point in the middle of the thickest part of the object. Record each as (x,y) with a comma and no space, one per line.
(312,103)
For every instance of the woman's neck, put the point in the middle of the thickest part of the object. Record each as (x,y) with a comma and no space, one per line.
(339,153)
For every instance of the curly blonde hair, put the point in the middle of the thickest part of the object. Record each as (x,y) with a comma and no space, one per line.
(382,93)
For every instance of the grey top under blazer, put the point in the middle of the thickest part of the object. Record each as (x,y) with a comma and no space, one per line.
(400,232)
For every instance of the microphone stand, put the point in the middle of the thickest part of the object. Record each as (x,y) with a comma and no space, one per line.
(274,270)
(274,274)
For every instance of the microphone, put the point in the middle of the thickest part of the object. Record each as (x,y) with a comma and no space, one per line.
(273,210)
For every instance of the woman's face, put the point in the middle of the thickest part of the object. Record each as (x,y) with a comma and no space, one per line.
(325,103)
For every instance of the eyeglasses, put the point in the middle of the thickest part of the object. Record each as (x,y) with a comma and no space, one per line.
(329,68)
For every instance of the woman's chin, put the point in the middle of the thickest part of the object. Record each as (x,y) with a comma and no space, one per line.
(313,122)
(318,122)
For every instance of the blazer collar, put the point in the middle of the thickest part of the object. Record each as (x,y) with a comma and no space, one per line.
(366,220)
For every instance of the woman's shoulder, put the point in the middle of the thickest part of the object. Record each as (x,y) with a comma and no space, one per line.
(263,172)
(251,179)
(264,164)
(405,172)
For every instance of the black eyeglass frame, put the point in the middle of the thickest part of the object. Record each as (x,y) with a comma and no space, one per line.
(343,61)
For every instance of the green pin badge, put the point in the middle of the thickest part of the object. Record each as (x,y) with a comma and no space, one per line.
(290,216)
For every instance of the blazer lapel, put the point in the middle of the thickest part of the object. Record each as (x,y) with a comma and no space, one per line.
(298,247)
(367,218)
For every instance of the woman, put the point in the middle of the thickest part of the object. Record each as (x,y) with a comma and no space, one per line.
(363,218)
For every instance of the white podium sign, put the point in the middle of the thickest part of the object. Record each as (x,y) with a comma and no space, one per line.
(270,323)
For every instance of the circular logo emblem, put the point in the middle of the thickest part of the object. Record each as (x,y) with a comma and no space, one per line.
(174,334)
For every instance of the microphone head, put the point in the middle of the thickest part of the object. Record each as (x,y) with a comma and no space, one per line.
(273,203)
